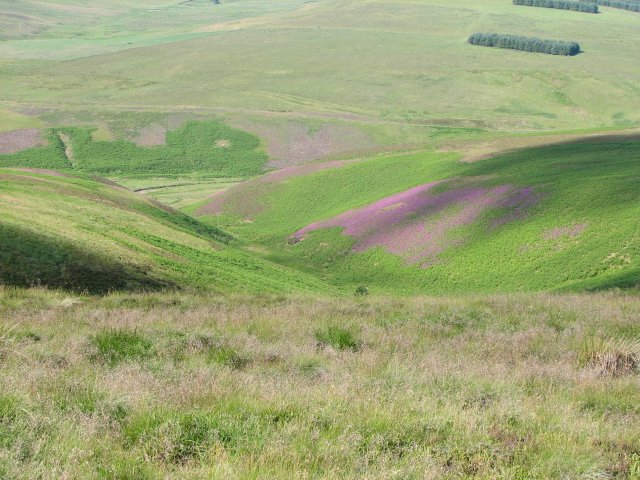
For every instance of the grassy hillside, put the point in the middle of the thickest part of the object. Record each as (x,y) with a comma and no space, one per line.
(79,234)
(182,387)
(396,62)
(318,149)
(63,29)
(554,217)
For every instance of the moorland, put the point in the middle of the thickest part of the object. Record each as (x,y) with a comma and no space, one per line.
(332,239)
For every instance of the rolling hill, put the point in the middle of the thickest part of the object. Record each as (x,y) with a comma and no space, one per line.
(317,90)
(319,239)
(561,217)
(397,72)
(75,233)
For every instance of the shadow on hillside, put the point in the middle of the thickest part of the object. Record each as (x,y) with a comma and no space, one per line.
(590,179)
(605,138)
(624,281)
(572,164)
(623,138)
(29,259)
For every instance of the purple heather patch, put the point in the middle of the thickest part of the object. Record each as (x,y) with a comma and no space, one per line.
(415,224)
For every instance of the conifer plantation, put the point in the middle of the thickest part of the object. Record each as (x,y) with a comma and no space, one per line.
(576,5)
(525,44)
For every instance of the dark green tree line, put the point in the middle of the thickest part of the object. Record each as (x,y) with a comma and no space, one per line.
(631,5)
(587,7)
(525,44)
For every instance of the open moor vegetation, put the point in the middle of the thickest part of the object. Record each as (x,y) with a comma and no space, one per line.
(423,74)
(174,386)
(235,244)
(560,216)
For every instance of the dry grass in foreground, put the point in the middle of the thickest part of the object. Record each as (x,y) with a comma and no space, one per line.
(187,387)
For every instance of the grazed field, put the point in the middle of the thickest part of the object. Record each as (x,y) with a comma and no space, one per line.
(177,387)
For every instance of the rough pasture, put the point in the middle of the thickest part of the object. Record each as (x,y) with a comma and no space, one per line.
(422,72)
(175,386)
(417,224)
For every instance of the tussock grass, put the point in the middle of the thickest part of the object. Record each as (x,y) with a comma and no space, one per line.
(337,337)
(503,386)
(114,346)
(610,356)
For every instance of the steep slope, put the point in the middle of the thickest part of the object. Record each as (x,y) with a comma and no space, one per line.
(85,235)
(558,217)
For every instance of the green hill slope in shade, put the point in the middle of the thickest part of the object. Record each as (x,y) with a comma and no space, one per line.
(85,235)
(558,217)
